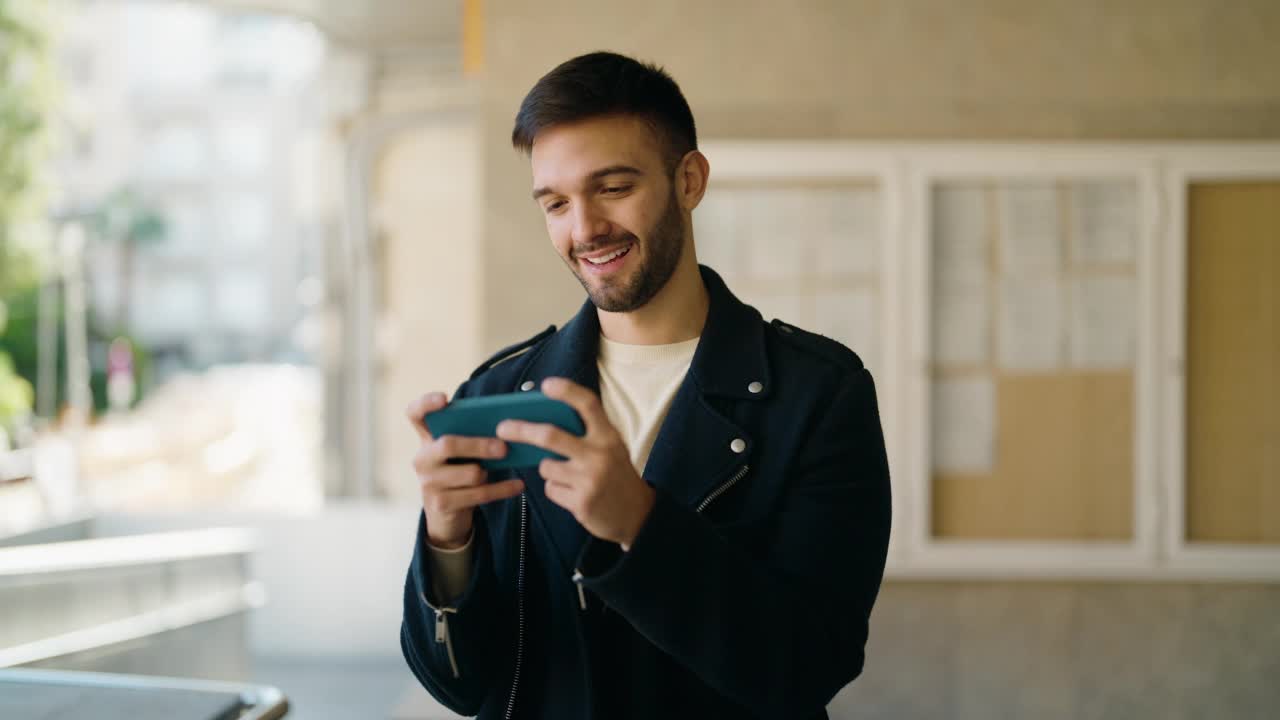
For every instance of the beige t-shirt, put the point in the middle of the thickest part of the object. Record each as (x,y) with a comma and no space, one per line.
(637,385)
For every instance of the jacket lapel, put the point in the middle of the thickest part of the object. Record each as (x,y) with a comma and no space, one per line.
(693,452)
(696,447)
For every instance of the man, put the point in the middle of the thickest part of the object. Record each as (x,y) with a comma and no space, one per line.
(714,543)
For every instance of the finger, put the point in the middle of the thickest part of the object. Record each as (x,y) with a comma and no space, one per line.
(442,478)
(462,446)
(435,454)
(561,494)
(556,471)
(463,498)
(427,403)
(543,435)
(579,398)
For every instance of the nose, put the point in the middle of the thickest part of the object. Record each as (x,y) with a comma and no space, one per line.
(588,224)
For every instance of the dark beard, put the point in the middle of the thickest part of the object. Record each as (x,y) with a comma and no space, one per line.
(663,249)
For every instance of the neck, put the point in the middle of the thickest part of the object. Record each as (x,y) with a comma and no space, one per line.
(677,313)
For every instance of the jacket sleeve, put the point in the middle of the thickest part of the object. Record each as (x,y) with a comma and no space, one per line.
(782,631)
(459,650)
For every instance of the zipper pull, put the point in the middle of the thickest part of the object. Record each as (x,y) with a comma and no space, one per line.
(442,627)
(582,596)
(442,636)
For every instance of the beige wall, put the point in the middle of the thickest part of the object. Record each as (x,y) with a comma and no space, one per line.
(427,187)
(1070,69)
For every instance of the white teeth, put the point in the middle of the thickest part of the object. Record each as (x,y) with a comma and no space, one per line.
(607,258)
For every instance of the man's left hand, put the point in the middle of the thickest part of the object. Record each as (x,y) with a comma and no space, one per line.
(596,482)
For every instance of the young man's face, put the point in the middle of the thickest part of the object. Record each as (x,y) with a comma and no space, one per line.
(610,208)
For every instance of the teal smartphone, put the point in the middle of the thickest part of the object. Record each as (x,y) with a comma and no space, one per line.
(479,417)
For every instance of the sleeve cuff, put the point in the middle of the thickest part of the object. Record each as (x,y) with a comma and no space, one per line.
(602,559)
(451,569)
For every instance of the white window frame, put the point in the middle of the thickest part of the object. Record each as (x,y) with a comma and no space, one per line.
(904,173)
(1047,162)
(1192,164)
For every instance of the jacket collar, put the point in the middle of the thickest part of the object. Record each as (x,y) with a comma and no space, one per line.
(731,354)
(729,358)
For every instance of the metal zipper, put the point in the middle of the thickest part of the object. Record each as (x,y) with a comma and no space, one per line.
(723,488)
(442,630)
(582,595)
(515,681)
(442,636)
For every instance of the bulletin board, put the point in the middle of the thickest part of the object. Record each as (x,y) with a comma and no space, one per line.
(1034,290)
(1075,344)
(1233,362)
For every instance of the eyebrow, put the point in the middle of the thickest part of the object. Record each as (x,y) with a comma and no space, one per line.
(602,172)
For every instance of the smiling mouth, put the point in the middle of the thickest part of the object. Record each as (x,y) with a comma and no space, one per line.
(608,261)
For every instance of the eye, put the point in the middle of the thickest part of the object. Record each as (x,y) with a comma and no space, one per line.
(554,206)
(615,189)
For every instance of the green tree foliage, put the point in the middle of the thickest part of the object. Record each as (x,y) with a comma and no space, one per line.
(25,92)
(124,218)
(16,393)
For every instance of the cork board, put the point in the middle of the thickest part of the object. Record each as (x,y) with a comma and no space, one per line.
(1063,464)
(1233,363)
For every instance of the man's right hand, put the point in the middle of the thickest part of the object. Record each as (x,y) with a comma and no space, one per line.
(450,493)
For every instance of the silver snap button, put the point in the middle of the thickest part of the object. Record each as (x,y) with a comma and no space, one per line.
(527,385)
(786,329)
(755,387)
(738,445)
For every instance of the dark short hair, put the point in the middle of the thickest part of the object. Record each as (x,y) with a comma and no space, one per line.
(600,84)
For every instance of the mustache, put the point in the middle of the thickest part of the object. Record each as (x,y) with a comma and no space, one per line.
(624,239)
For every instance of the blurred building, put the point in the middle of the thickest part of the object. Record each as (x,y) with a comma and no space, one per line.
(216,121)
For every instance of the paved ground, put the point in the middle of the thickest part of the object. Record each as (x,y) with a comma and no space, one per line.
(348,690)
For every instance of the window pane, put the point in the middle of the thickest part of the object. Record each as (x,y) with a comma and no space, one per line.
(243,301)
(169,305)
(246,221)
(176,152)
(244,148)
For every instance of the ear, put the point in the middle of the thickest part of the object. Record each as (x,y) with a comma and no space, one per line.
(691,179)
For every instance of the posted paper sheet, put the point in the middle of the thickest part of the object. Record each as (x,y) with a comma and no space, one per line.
(1030,336)
(961,324)
(1103,322)
(1030,237)
(850,240)
(1104,222)
(959,232)
(964,425)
